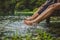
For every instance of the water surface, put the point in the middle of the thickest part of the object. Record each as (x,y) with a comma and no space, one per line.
(14,25)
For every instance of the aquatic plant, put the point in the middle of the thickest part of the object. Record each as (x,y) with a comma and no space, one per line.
(39,35)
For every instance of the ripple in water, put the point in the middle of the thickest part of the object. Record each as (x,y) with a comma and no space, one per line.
(18,27)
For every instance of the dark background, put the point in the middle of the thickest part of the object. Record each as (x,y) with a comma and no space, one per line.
(8,7)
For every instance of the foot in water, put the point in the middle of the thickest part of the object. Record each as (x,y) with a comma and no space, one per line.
(30,22)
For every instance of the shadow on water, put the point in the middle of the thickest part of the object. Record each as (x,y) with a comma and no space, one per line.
(55,28)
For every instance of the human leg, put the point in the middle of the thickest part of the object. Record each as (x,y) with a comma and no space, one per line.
(36,14)
(38,19)
(39,11)
(43,15)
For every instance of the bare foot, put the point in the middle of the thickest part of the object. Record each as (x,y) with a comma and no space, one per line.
(30,22)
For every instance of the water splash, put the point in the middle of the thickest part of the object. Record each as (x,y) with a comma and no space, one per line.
(18,27)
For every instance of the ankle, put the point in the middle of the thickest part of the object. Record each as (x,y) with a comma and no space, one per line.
(34,21)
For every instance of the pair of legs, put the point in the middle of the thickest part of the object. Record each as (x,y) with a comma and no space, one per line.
(36,18)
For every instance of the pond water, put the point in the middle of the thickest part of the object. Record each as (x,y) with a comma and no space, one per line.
(14,25)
